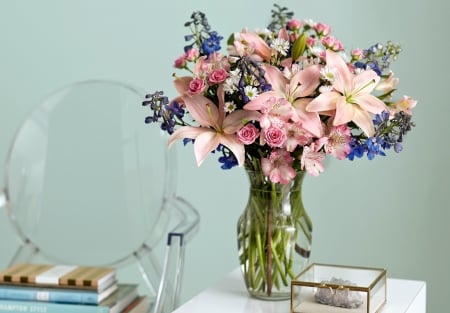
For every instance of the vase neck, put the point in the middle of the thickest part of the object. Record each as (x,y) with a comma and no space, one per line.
(258,181)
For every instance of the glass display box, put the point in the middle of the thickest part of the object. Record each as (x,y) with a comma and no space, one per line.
(326,288)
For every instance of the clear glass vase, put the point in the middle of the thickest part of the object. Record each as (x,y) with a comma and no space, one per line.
(274,236)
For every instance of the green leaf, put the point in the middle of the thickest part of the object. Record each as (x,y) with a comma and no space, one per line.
(299,47)
(230,40)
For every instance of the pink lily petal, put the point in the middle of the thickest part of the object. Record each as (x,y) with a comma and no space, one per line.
(190,132)
(258,44)
(231,142)
(305,81)
(204,112)
(370,103)
(334,60)
(309,120)
(366,81)
(324,102)
(364,121)
(344,111)
(275,78)
(205,142)
(182,84)
(236,120)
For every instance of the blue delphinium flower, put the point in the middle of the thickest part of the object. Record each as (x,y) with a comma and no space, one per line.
(228,162)
(357,149)
(206,40)
(389,132)
(227,159)
(392,129)
(378,57)
(250,71)
(169,114)
(211,44)
(374,147)
(156,102)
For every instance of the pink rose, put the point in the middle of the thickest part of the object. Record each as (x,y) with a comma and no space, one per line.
(357,54)
(218,76)
(294,24)
(332,43)
(248,134)
(196,86)
(191,54)
(310,41)
(180,62)
(322,29)
(275,137)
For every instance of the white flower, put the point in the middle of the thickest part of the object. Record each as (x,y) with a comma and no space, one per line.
(317,51)
(230,84)
(358,70)
(309,22)
(309,62)
(264,32)
(280,45)
(229,107)
(329,74)
(251,92)
(325,88)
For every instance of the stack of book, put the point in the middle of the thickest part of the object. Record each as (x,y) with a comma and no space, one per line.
(28,287)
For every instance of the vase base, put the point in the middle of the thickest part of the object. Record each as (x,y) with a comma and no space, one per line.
(276,296)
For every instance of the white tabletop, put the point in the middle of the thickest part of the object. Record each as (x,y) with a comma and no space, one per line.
(229,295)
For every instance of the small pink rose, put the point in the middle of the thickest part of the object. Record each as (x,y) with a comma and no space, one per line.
(275,136)
(191,54)
(196,86)
(217,76)
(294,24)
(248,134)
(332,43)
(180,62)
(310,41)
(322,29)
(357,54)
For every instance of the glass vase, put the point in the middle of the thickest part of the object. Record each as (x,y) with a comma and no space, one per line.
(274,236)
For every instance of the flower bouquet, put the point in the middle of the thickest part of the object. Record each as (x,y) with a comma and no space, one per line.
(278,102)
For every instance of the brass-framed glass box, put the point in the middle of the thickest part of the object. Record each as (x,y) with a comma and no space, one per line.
(326,288)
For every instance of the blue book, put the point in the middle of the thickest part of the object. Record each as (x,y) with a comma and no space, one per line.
(79,296)
(115,303)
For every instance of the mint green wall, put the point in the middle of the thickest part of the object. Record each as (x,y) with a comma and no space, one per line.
(391,212)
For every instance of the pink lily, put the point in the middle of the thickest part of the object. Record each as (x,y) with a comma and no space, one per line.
(296,92)
(351,97)
(258,45)
(215,128)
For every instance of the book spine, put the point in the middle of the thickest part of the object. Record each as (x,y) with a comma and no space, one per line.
(88,277)
(56,295)
(49,307)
